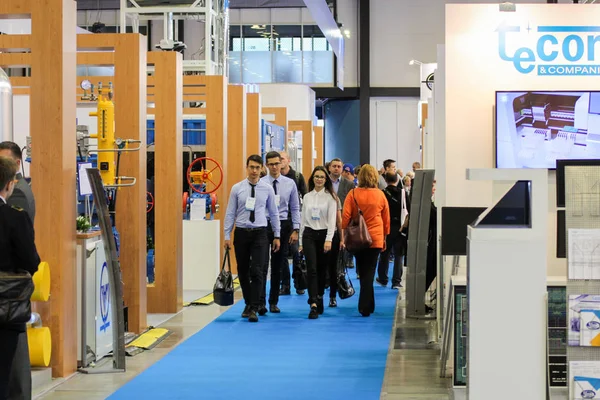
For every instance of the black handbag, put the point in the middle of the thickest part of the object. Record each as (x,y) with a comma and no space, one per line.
(300,278)
(345,288)
(16,289)
(223,289)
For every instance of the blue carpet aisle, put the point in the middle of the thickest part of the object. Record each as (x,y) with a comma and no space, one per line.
(341,355)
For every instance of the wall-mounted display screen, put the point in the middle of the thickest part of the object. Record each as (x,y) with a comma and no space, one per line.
(536,128)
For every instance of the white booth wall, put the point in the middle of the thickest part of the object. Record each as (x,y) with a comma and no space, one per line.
(473,73)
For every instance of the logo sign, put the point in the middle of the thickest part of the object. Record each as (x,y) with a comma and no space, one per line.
(104,298)
(588,394)
(593,325)
(551,50)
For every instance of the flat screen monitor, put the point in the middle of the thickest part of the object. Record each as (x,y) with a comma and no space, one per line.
(455,221)
(513,209)
(83,182)
(536,128)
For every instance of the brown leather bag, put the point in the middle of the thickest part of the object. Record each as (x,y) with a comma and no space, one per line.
(356,234)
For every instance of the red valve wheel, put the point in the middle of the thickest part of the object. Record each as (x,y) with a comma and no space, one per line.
(209,175)
(213,203)
(149,202)
(185,201)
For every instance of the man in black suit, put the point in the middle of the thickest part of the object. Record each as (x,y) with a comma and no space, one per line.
(23,195)
(341,186)
(18,250)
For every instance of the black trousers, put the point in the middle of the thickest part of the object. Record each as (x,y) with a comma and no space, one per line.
(332,274)
(251,246)
(366,262)
(15,369)
(313,243)
(293,252)
(278,260)
(393,243)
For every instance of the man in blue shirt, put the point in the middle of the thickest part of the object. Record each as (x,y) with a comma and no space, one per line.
(251,202)
(288,204)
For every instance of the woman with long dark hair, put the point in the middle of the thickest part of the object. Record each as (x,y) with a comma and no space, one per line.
(318,224)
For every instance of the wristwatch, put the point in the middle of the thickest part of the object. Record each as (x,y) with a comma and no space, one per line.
(296,230)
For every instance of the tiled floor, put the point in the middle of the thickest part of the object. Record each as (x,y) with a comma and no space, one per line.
(413,365)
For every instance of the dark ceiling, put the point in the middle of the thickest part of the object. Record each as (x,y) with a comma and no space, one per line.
(115,4)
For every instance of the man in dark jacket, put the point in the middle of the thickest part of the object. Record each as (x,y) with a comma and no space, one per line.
(18,250)
(395,197)
(298,178)
(22,196)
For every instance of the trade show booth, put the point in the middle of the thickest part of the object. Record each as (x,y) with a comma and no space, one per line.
(516,91)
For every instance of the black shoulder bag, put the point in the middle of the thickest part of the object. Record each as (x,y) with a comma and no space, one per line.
(16,289)
(345,288)
(223,289)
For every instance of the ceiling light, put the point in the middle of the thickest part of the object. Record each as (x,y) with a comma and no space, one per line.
(415,62)
(255,27)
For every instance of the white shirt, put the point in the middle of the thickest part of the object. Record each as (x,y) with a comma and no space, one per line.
(3,199)
(322,205)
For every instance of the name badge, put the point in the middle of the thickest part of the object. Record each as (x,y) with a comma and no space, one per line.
(315,214)
(277,200)
(250,203)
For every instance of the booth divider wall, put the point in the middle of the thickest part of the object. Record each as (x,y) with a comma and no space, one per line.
(319,159)
(236,144)
(129,58)
(306,128)
(53,65)
(165,295)
(253,119)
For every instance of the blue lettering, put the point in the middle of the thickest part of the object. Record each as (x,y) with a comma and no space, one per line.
(524,55)
(578,46)
(540,48)
(592,40)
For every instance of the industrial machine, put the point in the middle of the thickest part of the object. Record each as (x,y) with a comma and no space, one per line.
(202,187)
(273,137)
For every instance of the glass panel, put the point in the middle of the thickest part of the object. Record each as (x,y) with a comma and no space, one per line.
(256,37)
(307,44)
(288,67)
(318,67)
(256,67)
(320,44)
(284,44)
(235,66)
(235,44)
(297,44)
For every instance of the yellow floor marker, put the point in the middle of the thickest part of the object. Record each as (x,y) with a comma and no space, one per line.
(149,339)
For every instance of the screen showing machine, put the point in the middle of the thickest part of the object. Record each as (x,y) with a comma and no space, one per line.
(534,129)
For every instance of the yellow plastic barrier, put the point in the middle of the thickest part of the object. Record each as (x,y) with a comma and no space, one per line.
(41,280)
(40,346)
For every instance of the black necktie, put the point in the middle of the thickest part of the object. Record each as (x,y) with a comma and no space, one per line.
(252,195)
(275,186)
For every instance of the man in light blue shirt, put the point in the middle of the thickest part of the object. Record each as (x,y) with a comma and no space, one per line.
(251,202)
(288,204)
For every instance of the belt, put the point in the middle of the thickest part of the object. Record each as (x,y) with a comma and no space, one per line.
(251,229)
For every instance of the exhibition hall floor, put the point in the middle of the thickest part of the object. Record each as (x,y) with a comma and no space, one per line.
(411,370)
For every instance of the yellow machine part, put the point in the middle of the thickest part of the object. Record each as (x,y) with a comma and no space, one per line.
(41,281)
(106,139)
(40,346)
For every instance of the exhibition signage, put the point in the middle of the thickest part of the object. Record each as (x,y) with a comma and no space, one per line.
(555,50)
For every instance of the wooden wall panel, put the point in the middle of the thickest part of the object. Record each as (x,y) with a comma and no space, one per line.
(216,135)
(15,9)
(236,142)
(307,144)
(280,115)
(130,122)
(166,294)
(319,159)
(53,170)
(253,123)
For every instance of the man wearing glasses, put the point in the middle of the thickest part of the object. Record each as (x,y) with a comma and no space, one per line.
(288,204)
(251,202)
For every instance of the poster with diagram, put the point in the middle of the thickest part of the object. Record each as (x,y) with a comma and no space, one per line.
(584,254)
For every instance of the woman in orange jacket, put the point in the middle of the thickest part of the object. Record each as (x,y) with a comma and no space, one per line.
(375,210)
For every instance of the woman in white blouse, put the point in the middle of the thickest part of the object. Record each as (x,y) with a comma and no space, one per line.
(318,224)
